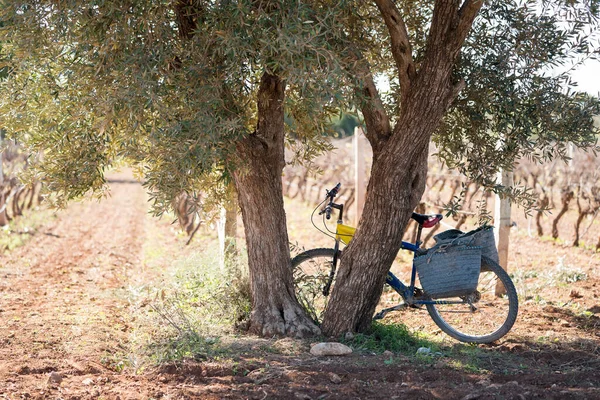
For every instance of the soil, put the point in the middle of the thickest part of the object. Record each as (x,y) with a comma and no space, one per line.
(64,314)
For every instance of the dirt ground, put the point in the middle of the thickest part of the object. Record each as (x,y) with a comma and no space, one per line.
(64,315)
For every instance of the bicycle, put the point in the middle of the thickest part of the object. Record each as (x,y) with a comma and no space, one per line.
(478,317)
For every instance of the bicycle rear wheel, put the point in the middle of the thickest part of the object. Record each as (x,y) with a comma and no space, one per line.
(484,317)
(311,273)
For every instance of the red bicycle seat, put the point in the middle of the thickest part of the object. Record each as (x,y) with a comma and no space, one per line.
(427,220)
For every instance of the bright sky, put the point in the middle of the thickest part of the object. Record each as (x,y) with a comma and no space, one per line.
(588,77)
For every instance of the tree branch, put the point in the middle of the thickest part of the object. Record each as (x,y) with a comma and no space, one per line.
(371,106)
(450,25)
(270,98)
(466,15)
(184,10)
(401,48)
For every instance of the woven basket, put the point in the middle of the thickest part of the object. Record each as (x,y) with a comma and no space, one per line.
(482,237)
(449,270)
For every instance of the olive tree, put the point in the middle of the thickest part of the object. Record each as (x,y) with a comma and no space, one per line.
(481,88)
(199,93)
(193,94)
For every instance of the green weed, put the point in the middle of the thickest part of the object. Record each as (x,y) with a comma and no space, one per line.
(393,337)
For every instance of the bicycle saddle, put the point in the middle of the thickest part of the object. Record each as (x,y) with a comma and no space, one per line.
(427,220)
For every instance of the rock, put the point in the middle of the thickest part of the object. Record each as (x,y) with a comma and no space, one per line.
(330,349)
(335,378)
(55,378)
(88,381)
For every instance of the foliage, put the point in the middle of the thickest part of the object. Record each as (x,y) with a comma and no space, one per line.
(344,125)
(93,83)
(519,100)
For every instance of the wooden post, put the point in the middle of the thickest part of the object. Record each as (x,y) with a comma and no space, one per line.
(3,219)
(360,174)
(227,227)
(221,234)
(502,224)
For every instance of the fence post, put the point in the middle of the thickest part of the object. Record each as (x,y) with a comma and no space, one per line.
(360,174)
(502,224)
(3,219)
(227,227)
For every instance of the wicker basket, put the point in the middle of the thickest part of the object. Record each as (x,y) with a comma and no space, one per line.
(482,237)
(449,270)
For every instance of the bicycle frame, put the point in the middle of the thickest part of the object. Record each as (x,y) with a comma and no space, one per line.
(407,292)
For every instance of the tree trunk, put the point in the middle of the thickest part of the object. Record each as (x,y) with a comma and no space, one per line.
(365,262)
(275,310)
(399,171)
(395,188)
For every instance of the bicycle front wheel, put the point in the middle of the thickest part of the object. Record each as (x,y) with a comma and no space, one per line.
(485,315)
(311,273)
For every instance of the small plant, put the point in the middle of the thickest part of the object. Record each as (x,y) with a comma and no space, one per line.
(196,304)
(393,337)
(567,274)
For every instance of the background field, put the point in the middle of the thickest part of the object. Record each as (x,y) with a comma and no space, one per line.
(100,300)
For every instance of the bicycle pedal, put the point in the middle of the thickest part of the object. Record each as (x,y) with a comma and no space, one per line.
(379,315)
(383,313)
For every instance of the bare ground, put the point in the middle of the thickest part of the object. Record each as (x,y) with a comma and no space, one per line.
(64,316)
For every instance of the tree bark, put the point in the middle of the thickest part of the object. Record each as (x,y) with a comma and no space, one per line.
(275,310)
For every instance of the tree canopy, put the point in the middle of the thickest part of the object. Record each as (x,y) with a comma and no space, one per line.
(519,100)
(115,77)
(169,88)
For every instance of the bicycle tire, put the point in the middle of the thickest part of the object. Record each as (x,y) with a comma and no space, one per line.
(494,316)
(311,272)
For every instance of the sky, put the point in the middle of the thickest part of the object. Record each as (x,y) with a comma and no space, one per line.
(588,77)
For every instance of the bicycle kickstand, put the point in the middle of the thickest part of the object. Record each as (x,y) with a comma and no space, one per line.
(381,314)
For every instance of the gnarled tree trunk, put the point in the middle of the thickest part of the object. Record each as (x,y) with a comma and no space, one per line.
(275,310)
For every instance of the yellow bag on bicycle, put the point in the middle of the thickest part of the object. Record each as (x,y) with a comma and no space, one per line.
(344,233)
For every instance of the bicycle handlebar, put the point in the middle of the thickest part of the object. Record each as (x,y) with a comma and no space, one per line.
(330,195)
